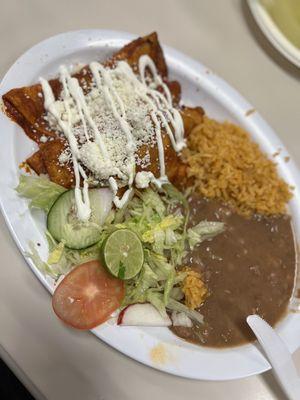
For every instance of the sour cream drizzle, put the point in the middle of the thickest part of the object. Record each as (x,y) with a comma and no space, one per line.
(162,114)
(81,198)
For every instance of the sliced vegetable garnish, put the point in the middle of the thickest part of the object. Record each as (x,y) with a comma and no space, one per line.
(42,192)
(142,244)
(123,254)
(143,315)
(63,224)
(87,296)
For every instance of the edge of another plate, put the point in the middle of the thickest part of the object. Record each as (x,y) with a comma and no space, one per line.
(273,34)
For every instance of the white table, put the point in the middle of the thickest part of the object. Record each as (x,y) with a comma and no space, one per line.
(53,361)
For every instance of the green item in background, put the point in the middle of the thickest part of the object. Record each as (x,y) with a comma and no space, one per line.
(286,15)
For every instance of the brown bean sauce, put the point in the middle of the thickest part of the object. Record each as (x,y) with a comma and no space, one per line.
(248,269)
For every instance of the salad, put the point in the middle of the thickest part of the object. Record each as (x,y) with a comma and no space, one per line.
(120,257)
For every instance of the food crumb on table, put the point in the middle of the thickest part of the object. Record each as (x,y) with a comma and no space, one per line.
(250,112)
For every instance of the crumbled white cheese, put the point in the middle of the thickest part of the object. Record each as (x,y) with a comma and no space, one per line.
(43,139)
(143,179)
(111,124)
(137,115)
(91,158)
(64,157)
(74,68)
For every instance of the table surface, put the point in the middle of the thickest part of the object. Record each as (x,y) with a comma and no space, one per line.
(53,361)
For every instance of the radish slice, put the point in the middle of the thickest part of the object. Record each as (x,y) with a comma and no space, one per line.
(181,319)
(104,204)
(142,315)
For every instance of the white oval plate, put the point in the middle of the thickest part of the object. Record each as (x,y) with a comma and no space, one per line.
(273,33)
(199,87)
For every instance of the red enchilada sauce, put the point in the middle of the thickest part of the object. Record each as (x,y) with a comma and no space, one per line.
(249,268)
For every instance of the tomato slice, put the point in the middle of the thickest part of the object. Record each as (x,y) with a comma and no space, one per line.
(87,296)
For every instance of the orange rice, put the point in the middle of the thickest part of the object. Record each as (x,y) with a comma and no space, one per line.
(193,288)
(225,164)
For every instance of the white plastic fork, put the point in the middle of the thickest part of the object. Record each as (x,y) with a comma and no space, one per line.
(278,355)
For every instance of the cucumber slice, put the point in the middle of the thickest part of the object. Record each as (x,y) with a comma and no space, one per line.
(64,225)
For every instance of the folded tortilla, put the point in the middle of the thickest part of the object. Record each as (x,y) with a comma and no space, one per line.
(25,106)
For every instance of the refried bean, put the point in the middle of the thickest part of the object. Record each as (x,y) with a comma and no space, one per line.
(249,268)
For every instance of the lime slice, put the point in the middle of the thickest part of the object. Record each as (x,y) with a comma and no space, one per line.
(123,254)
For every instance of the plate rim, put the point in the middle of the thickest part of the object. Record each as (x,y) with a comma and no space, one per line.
(230,92)
(274,35)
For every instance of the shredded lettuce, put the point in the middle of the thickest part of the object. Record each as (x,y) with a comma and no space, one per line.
(38,262)
(203,231)
(136,289)
(159,265)
(40,190)
(159,223)
(175,195)
(176,293)
(61,259)
(56,254)
(162,234)
(168,287)
(151,200)
(156,299)
(174,305)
